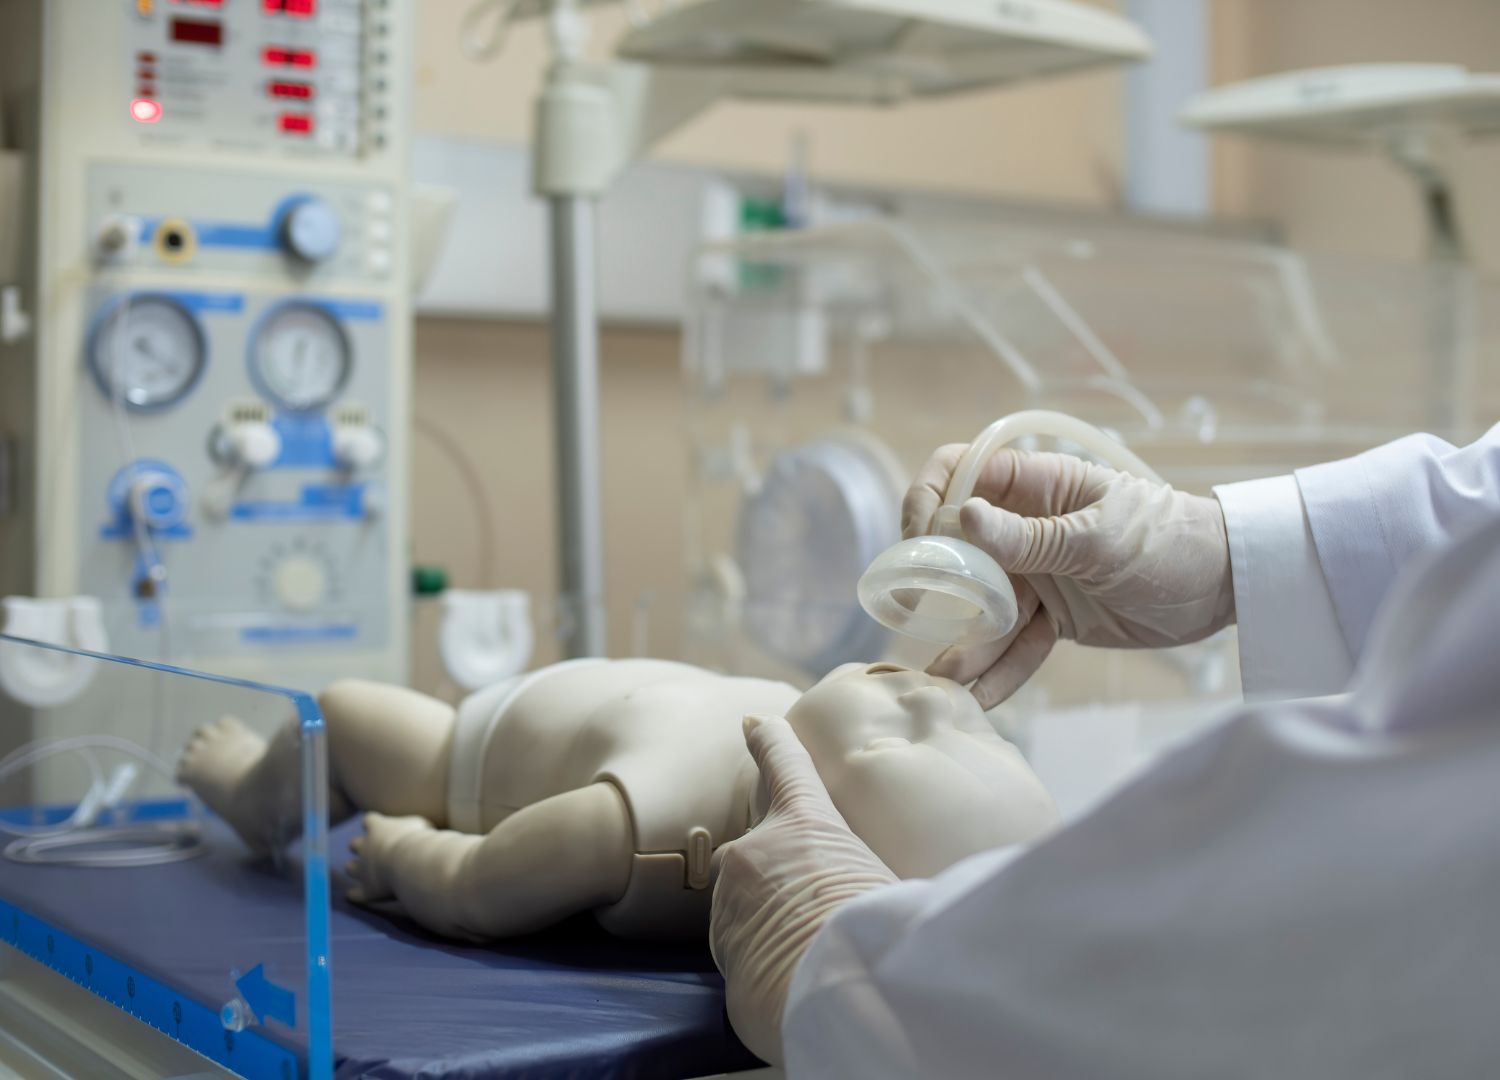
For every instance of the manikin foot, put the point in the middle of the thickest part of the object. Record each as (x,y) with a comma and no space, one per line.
(369,869)
(221,766)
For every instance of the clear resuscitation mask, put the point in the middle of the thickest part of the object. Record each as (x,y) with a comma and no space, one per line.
(941,588)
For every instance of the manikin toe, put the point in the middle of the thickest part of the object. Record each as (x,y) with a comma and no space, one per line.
(606,785)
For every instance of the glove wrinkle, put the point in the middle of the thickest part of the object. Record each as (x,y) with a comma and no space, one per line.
(1113,560)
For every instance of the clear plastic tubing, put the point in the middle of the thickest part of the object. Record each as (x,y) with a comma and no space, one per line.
(941,588)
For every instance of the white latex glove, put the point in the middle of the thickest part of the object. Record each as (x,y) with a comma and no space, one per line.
(779,883)
(1105,557)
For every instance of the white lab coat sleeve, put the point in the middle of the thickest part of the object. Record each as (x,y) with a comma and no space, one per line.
(1305,891)
(1314,555)
(1290,641)
(1371,514)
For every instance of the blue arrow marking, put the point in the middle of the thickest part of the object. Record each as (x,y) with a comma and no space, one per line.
(267,1000)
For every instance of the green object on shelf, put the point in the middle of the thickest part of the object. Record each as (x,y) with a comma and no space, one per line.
(760,215)
(428,580)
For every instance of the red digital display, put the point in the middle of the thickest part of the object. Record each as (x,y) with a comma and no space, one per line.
(197,32)
(276,57)
(298,90)
(298,9)
(295,123)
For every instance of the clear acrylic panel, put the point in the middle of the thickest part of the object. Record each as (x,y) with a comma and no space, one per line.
(823,367)
(116,876)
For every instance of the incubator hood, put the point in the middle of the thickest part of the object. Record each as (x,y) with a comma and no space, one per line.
(1213,355)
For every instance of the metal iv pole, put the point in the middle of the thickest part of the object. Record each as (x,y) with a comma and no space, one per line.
(590,121)
(575,404)
(570,129)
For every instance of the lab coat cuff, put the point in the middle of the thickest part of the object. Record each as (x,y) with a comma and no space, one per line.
(1291,644)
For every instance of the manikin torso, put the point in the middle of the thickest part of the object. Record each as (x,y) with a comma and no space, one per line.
(910,761)
(667,735)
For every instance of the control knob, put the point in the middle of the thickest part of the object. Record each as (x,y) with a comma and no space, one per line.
(311,231)
(157,499)
(300,582)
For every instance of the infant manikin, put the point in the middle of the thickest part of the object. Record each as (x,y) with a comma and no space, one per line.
(606,785)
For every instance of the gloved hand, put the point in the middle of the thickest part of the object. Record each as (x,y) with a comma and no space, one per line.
(1096,556)
(779,883)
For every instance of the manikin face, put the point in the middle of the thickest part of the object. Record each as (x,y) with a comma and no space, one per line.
(916,769)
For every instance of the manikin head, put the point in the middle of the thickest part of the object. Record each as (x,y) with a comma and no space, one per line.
(916,769)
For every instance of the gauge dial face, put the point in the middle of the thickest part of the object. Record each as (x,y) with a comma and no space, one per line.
(148,352)
(300,357)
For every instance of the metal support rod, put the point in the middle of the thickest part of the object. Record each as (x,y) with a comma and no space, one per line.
(575,397)
(1451,314)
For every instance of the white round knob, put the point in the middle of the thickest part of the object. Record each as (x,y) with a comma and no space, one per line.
(255,446)
(357,447)
(300,583)
(311,230)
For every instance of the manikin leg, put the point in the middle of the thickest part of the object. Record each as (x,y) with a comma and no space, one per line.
(387,751)
(545,862)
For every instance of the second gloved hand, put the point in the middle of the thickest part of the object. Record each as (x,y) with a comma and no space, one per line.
(1097,556)
(779,883)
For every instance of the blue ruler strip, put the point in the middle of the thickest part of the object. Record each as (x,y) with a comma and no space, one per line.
(194,1025)
(166,808)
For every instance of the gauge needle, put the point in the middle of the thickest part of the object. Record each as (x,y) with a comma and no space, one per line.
(145,345)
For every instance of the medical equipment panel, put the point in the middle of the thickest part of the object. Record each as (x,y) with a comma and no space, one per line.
(307,76)
(210,411)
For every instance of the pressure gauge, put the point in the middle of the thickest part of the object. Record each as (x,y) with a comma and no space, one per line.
(300,357)
(148,351)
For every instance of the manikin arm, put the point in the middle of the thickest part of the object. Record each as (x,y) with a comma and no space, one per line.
(547,861)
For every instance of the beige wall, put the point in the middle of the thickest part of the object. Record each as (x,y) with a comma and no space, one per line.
(1056,139)
(1351,201)
(486,385)
(486,389)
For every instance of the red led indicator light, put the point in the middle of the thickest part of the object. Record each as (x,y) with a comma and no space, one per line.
(275,57)
(296,123)
(145,111)
(299,91)
(298,9)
